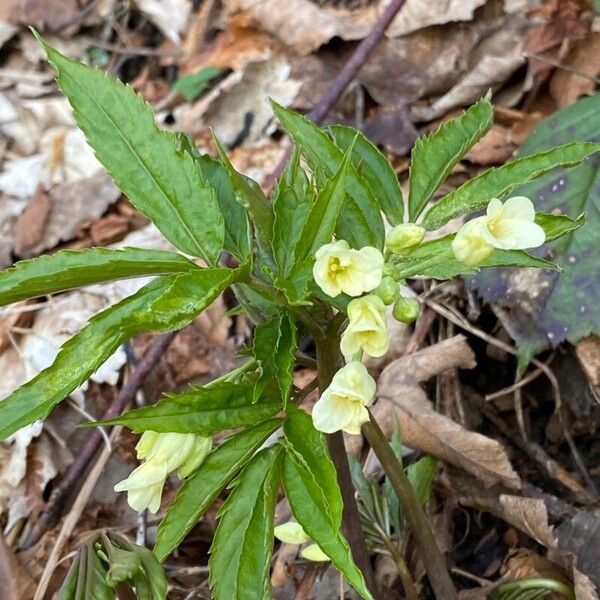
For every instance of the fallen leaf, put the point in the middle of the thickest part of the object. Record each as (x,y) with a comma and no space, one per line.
(495,148)
(15,582)
(582,67)
(588,354)
(530,516)
(41,14)
(584,588)
(170,16)
(72,205)
(401,401)
(30,224)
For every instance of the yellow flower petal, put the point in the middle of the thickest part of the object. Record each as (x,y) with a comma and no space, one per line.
(291,533)
(314,553)
(367,328)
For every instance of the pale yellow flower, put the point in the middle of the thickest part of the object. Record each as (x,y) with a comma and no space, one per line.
(314,553)
(367,327)
(291,533)
(339,268)
(508,226)
(343,404)
(161,453)
(404,238)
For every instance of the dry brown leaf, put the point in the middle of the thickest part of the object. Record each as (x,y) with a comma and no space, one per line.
(72,205)
(530,516)
(522,563)
(567,86)
(15,581)
(30,224)
(584,588)
(494,148)
(41,14)
(588,353)
(401,400)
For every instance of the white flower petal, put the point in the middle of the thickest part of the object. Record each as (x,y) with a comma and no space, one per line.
(518,234)
(494,207)
(329,415)
(518,207)
(291,533)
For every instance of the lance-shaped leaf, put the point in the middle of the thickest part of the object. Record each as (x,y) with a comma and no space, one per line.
(203,486)
(435,258)
(360,221)
(67,269)
(163,182)
(274,349)
(243,543)
(250,196)
(434,156)
(372,166)
(164,304)
(310,449)
(496,183)
(306,498)
(203,410)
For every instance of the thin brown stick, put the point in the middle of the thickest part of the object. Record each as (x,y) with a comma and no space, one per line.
(342,80)
(74,473)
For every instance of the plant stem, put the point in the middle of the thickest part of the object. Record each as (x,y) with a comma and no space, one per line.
(435,563)
(407,581)
(329,361)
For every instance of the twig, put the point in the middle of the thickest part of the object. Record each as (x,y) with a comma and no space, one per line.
(77,18)
(74,473)
(515,386)
(558,65)
(342,80)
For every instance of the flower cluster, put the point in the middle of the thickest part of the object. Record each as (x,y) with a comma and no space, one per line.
(360,273)
(161,453)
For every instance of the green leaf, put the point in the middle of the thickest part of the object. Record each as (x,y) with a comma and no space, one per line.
(191,86)
(435,259)
(243,543)
(372,166)
(250,196)
(421,475)
(164,304)
(275,349)
(86,578)
(202,410)
(547,308)
(67,269)
(305,496)
(162,182)
(434,156)
(311,452)
(497,182)
(360,221)
(323,215)
(203,486)
(258,306)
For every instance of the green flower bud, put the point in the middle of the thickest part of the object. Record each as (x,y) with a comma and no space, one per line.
(404,239)
(406,310)
(388,290)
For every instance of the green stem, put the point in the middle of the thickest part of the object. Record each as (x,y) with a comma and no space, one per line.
(407,581)
(329,361)
(435,563)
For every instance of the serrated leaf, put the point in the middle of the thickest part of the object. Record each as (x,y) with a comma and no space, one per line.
(305,497)
(360,221)
(67,269)
(243,543)
(434,156)
(250,196)
(497,182)
(372,166)
(161,181)
(311,451)
(258,306)
(237,228)
(274,349)
(203,486)
(164,304)
(203,411)
(547,308)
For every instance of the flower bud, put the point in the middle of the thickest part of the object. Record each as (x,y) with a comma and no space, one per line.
(406,310)
(404,238)
(388,290)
